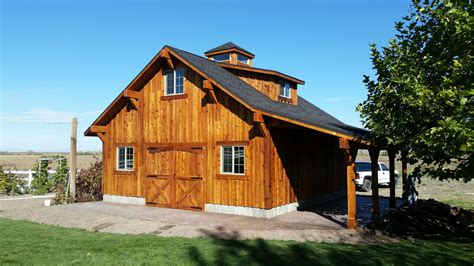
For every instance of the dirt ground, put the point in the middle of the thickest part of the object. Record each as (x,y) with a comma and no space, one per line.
(24,161)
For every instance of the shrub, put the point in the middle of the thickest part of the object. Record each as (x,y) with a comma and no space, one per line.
(42,183)
(89,183)
(10,183)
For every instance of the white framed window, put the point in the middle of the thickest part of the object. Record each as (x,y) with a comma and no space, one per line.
(233,160)
(221,57)
(174,81)
(285,90)
(124,158)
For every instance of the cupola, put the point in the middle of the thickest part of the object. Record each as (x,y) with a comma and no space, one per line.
(230,53)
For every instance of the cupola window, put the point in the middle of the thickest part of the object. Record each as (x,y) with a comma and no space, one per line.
(242,59)
(221,57)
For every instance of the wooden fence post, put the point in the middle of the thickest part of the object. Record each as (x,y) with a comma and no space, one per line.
(73,159)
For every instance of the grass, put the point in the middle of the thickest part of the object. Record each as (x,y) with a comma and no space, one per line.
(30,243)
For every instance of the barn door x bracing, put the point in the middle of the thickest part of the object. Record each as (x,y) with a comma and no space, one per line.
(174,177)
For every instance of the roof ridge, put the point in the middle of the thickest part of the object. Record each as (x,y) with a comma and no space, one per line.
(228,45)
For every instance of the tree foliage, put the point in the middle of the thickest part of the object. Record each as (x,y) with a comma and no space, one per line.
(10,183)
(422,97)
(44,183)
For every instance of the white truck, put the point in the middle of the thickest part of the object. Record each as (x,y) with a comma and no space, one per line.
(364,175)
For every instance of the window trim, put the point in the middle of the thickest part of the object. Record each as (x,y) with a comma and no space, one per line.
(117,148)
(283,90)
(233,158)
(165,81)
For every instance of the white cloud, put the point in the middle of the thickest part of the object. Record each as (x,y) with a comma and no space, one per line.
(38,115)
(44,115)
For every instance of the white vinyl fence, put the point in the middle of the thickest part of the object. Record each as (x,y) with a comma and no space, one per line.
(28,174)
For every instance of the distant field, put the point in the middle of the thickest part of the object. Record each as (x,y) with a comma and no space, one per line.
(456,193)
(26,161)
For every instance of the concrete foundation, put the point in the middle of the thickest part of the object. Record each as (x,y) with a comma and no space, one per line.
(270,213)
(124,199)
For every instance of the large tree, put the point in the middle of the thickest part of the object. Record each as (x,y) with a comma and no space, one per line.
(421,99)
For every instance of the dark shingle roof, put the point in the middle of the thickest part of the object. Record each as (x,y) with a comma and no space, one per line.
(226,46)
(304,112)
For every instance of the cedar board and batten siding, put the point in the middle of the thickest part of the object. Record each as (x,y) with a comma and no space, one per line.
(192,119)
(267,84)
(304,163)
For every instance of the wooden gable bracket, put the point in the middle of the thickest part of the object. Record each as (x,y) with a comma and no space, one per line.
(258,121)
(133,96)
(166,56)
(99,130)
(101,136)
(207,87)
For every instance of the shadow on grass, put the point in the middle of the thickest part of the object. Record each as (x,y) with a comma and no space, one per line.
(231,251)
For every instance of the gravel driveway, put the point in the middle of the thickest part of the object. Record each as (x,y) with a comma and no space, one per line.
(130,219)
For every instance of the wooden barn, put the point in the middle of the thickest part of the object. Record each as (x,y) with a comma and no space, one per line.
(216,134)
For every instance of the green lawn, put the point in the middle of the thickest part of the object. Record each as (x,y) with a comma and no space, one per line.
(24,242)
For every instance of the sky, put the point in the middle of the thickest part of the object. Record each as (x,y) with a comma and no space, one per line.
(62,58)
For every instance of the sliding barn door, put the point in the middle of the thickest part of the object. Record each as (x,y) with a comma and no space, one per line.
(174,177)
(188,176)
(160,177)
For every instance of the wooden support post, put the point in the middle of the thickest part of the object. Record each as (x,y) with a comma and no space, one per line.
(391,160)
(350,157)
(374,159)
(73,159)
(267,181)
(404,175)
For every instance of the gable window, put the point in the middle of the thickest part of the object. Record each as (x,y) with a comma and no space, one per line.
(174,81)
(285,90)
(242,58)
(125,158)
(233,160)
(221,57)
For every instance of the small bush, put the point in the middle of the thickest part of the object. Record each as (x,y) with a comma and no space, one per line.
(88,186)
(89,183)
(42,183)
(11,183)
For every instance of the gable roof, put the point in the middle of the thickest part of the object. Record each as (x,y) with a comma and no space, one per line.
(304,114)
(260,70)
(228,46)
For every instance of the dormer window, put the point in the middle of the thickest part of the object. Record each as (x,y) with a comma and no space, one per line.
(285,90)
(174,81)
(221,57)
(242,59)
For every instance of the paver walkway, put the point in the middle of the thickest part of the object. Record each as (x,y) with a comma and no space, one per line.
(312,225)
